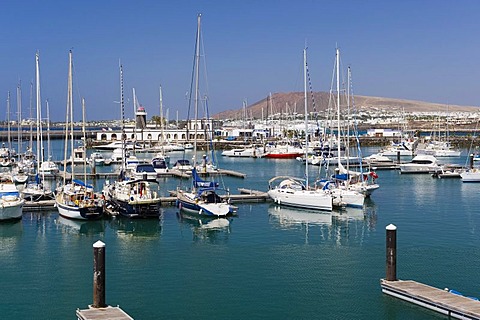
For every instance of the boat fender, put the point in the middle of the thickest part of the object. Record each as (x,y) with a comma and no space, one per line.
(279,201)
(201,211)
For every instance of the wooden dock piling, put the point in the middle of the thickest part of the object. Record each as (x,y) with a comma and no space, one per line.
(391,274)
(98,274)
(99,310)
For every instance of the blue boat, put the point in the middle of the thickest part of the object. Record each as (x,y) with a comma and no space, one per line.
(203,199)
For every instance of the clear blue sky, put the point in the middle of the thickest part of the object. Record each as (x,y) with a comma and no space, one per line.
(422,50)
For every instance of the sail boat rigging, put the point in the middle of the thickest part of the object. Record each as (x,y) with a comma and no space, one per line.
(76,199)
(136,198)
(37,190)
(202,199)
(296,192)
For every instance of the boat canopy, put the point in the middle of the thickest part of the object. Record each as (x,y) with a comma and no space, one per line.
(200,183)
(81,183)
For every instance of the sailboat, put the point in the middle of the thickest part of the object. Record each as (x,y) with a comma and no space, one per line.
(48,167)
(341,192)
(20,172)
(36,190)
(76,199)
(135,198)
(7,154)
(202,199)
(296,192)
(359,181)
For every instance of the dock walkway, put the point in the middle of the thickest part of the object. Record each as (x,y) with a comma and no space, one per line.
(453,305)
(110,313)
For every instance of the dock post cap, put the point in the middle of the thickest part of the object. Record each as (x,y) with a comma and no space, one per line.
(99,244)
(391,227)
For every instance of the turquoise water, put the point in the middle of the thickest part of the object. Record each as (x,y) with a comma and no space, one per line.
(269,263)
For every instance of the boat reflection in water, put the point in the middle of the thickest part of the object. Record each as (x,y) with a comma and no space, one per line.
(10,234)
(87,227)
(292,217)
(137,228)
(339,226)
(206,228)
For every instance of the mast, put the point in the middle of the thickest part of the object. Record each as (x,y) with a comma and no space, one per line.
(19,117)
(9,140)
(347,148)
(338,106)
(49,154)
(134,119)
(39,108)
(122,107)
(67,117)
(306,114)
(30,144)
(161,120)
(70,93)
(84,143)
(197,71)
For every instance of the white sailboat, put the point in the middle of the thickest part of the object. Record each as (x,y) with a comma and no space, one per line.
(343,195)
(296,192)
(76,199)
(36,190)
(48,167)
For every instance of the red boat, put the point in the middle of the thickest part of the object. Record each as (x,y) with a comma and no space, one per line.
(284,152)
(288,155)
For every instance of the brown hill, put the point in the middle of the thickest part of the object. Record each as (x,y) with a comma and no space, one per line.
(294,102)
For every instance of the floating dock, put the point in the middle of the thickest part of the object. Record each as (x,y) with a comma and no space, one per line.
(450,304)
(110,313)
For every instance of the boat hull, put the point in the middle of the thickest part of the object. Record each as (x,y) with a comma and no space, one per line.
(79,213)
(11,210)
(283,155)
(189,205)
(470,176)
(137,209)
(314,200)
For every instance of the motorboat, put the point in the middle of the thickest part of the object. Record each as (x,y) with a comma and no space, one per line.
(144,171)
(159,165)
(248,152)
(283,152)
(183,165)
(138,198)
(97,159)
(11,203)
(422,163)
(48,168)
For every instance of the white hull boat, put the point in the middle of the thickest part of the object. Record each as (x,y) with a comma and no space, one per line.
(472,175)
(420,164)
(11,204)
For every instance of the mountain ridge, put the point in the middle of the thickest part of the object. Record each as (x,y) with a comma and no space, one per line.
(291,102)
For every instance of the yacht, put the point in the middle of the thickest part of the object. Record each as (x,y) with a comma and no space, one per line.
(422,163)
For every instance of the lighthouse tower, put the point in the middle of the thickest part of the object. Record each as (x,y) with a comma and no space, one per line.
(140,118)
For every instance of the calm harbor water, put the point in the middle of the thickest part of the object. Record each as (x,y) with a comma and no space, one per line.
(270,262)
